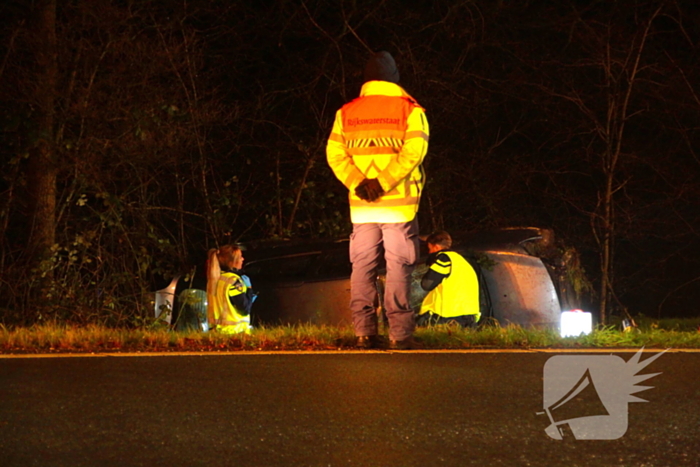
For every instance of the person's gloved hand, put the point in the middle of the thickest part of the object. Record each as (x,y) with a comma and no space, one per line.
(252,295)
(246,280)
(369,189)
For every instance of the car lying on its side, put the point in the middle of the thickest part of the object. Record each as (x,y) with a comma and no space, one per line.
(524,278)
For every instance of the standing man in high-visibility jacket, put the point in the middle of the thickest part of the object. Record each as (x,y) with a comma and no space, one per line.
(452,285)
(376,148)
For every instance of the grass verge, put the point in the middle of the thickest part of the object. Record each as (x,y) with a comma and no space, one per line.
(57,338)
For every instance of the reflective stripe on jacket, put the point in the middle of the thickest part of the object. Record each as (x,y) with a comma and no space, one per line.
(227,318)
(383,134)
(458,293)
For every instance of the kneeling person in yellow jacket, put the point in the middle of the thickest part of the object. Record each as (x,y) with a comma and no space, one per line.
(229,292)
(452,286)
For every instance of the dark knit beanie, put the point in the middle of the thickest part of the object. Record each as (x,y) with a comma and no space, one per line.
(382,67)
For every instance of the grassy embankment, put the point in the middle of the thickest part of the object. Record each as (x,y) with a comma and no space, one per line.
(56,338)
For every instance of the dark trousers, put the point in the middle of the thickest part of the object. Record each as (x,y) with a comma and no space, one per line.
(399,241)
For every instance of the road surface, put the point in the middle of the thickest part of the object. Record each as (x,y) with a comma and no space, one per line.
(327,409)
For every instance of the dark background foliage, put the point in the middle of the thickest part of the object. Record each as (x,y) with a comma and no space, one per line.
(135,135)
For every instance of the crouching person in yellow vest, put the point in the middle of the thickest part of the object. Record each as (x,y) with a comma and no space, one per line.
(452,286)
(229,293)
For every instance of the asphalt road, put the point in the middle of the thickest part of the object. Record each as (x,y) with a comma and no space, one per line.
(331,409)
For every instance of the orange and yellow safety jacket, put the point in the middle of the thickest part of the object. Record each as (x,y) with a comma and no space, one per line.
(382,134)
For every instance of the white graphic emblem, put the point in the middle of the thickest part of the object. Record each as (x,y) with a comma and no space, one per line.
(587,395)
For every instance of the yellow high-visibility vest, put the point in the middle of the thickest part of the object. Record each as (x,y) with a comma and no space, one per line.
(227,318)
(383,134)
(458,293)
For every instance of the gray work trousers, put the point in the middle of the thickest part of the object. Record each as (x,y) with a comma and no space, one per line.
(399,241)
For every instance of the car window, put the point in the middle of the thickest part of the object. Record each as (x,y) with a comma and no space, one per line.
(334,265)
(294,267)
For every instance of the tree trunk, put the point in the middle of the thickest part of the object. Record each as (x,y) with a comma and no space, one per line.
(41,176)
(606,244)
(617,116)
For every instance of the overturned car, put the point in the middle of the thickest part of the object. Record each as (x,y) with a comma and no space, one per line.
(525,277)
